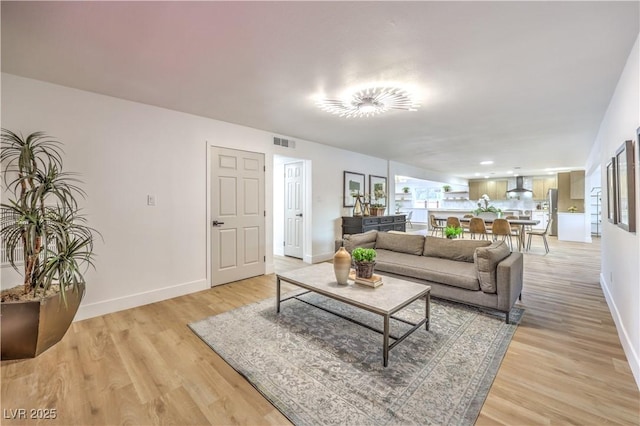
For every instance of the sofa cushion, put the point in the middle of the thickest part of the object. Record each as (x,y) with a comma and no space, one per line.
(445,248)
(444,271)
(364,240)
(486,260)
(407,243)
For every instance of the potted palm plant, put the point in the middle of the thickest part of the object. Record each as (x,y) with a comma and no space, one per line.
(43,231)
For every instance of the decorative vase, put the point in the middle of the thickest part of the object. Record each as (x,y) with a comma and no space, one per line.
(366,211)
(342,265)
(357,207)
(364,269)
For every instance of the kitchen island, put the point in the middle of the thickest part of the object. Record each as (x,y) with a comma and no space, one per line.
(573,227)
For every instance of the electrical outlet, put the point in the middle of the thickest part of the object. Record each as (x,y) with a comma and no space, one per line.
(151,200)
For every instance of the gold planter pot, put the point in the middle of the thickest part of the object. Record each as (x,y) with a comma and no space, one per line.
(31,327)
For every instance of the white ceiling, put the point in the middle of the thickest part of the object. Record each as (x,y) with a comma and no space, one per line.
(524,84)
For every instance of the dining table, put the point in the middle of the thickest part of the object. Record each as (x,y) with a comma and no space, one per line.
(523,223)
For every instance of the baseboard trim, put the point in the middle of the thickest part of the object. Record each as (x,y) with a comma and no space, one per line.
(632,356)
(319,258)
(134,300)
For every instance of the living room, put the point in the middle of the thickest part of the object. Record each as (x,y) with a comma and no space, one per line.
(126,150)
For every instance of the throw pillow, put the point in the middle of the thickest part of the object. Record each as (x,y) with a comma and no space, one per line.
(460,250)
(364,240)
(486,260)
(400,243)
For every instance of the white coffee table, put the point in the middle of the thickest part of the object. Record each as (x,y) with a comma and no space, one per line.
(385,300)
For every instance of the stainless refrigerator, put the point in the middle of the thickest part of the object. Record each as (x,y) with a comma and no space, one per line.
(552,199)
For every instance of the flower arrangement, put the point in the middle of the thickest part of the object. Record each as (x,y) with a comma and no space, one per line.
(378,194)
(483,206)
(572,209)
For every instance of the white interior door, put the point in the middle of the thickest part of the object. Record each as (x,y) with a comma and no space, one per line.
(293,214)
(237,215)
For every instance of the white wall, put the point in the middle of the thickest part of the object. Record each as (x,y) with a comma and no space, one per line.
(125,151)
(620,272)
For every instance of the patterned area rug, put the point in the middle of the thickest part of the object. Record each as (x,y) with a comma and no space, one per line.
(318,368)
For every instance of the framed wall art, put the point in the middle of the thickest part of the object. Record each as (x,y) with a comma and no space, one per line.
(378,189)
(353,185)
(611,191)
(625,187)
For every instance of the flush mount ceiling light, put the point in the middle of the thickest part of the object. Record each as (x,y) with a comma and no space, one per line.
(369,101)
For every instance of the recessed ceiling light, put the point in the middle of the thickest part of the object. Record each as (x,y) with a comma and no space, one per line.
(486,177)
(486,163)
(509,172)
(370,101)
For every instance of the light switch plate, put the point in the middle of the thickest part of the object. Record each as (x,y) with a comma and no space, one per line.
(151,200)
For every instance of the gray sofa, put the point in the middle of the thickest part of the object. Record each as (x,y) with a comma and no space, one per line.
(475,272)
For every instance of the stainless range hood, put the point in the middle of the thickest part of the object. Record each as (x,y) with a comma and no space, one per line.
(519,186)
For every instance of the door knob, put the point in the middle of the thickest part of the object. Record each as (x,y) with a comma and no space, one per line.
(216,223)
(299,215)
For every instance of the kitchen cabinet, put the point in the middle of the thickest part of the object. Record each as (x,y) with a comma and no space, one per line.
(500,190)
(542,216)
(476,189)
(541,187)
(495,189)
(577,184)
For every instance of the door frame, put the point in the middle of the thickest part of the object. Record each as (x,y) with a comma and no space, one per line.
(268,206)
(304,205)
(278,207)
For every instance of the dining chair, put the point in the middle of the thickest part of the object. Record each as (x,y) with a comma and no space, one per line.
(515,229)
(435,227)
(478,227)
(465,224)
(408,218)
(454,222)
(502,228)
(542,234)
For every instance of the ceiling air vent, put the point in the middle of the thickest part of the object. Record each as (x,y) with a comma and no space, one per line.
(285,143)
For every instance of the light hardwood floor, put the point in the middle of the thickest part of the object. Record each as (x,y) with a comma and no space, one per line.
(143,366)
